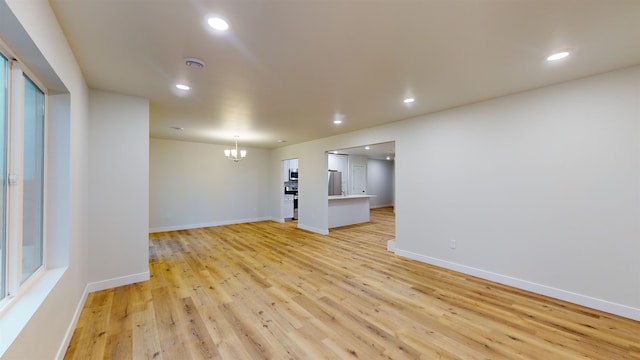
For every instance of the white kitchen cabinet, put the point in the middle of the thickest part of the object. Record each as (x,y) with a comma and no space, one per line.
(348,210)
(287,165)
(287,207)
(285,170)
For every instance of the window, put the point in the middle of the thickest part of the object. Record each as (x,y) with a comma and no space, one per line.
(22,140)
(4,98)
(32,179)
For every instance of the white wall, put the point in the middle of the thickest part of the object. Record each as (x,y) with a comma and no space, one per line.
(540,190)
(380,182)
(312,186)
(338,163)
(542,187)
(194,185)
(53,321)
(118,190)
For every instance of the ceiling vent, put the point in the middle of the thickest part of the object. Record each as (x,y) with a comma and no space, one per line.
(194,63)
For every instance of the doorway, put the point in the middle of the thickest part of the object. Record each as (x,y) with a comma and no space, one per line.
(290,173)
(367,170)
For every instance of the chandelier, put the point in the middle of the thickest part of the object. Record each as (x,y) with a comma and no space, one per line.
(234,154)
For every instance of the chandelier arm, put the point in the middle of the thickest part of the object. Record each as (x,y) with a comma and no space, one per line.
(234,154)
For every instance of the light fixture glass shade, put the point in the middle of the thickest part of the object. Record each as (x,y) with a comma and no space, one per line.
(232,154)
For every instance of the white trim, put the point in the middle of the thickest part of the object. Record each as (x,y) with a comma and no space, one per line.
(233,222)
(210,224)
(313,229)
(93,287)
(15,159)
(272,218)
(119,281)
(62,350)
(594,303)
(391,245)
(18,313)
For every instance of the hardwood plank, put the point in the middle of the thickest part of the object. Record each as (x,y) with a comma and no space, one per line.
(91,336)
(120,332)
(268,290)
(169,325)
(200,342)
(146,341)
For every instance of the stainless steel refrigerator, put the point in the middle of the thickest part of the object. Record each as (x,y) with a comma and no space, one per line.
(335,182)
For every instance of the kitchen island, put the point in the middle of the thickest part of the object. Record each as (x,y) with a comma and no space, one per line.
(348,209)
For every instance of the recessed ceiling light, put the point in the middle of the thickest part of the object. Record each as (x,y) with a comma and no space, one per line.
(367,147)
(218,23)
(558,56)
(337,118)
(388,157)
(408,100)
(337,121)
(183,87)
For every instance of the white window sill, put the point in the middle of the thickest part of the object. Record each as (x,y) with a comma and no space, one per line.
(15,315)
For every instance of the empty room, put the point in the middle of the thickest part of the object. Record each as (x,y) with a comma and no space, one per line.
(337,179)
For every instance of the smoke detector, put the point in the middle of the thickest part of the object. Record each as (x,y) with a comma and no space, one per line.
(194,63)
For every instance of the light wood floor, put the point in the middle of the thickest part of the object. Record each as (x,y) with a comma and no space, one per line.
(270,291)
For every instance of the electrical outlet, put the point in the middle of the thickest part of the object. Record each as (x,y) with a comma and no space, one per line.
(453,244)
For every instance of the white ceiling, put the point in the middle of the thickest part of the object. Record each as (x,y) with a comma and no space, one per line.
(286,67)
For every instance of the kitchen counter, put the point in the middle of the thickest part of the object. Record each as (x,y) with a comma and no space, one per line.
(348,209)
(345,197)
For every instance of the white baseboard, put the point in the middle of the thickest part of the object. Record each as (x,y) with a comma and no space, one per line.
(119,281)
(590,302)
(391,245)
(313,229)
(72,326)
(209,224)
(93,287)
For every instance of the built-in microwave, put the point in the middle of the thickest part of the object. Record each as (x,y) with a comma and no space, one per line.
(293,174)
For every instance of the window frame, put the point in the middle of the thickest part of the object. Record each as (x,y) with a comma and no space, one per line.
(42,146)
(18,74)
(4,257)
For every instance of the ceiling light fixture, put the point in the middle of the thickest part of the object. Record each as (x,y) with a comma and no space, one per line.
(337,118)
(558,56)
(408,100)
(194,63)
(388,157)
(183,87)
(218,23)
(234,154)
(367,147)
